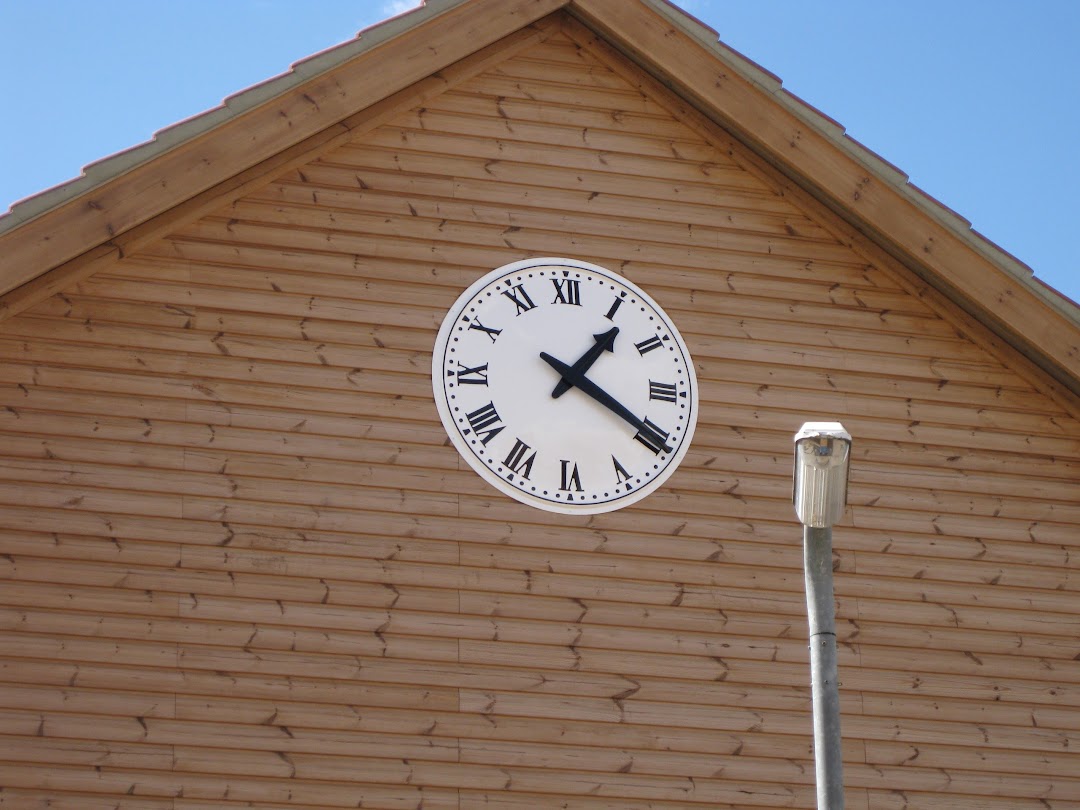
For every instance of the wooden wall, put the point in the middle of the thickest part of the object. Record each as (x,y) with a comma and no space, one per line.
(244,568)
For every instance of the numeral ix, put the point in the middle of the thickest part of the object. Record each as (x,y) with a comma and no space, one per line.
(471,376)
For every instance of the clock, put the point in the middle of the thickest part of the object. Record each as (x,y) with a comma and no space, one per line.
(565,386)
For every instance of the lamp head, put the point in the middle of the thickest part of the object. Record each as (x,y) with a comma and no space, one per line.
(822,452)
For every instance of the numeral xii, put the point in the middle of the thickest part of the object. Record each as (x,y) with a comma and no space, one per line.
(567,291)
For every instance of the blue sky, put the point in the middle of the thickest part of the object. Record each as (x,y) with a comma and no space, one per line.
(977,100)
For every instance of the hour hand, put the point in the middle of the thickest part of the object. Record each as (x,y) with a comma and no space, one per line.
(603,342)
(577,379)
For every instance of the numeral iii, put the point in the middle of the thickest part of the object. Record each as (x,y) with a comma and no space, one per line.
(647,346)
(665,392)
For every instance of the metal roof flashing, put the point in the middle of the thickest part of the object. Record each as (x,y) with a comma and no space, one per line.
(108,168)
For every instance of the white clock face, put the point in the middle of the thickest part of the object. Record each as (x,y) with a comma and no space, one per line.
(565,386)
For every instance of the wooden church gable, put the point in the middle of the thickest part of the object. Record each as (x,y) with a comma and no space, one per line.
(130,200)
(245,566)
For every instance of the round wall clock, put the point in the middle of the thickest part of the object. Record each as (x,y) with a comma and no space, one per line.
(565,386)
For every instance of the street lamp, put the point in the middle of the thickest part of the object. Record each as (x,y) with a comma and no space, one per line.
(822,451)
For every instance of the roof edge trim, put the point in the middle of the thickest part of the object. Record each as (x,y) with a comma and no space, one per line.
(163,140)
(882,169)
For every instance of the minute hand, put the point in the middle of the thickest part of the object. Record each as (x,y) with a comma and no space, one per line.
(587,386)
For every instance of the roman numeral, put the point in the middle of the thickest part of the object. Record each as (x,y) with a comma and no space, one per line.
(570,477)
(654,437)
(647,346)
(614,308)
(482,420)
(665,392)
(523,303)
(491,333)
(567,291)
(517,462)
(472,376)
(621,475)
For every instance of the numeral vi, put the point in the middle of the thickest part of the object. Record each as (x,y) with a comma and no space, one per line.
(570,477)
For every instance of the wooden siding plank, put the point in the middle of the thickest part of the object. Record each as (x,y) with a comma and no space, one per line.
(230,787)
(386,440)
(850,371)
(228,685)
(293,715)
(351,188)
(293,745)
(408,486)
(491,223)
(621,175)
(78,460)
(155,320)
(258,382)
(494,596)
(51,800)
(747,429)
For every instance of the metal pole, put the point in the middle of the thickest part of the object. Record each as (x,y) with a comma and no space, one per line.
(817,561)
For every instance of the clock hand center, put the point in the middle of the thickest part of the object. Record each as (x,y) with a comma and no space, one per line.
(604,342)
(586,386)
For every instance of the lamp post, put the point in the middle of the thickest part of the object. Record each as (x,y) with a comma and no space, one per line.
(822,450)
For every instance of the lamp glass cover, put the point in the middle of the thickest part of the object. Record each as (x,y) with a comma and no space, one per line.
(822,451)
